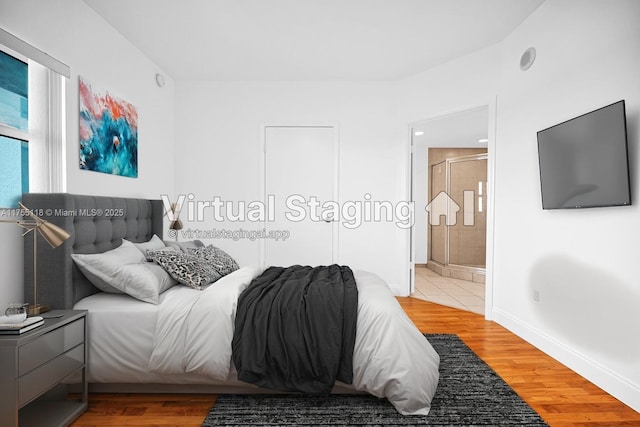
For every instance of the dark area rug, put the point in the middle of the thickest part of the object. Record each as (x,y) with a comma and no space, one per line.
(469,393)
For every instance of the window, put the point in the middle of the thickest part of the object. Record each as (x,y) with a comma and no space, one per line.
(32,87)
(14,129)
(14,170)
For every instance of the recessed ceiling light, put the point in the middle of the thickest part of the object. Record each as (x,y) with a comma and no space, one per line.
(418,133)
(483,140)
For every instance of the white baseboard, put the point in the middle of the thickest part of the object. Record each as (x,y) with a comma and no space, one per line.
(619,387)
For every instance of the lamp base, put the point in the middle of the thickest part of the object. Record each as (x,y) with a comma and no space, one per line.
(34,310)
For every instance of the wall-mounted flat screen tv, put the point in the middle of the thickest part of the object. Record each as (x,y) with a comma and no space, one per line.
(584,161)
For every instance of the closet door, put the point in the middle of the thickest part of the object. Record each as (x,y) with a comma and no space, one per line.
(300,168)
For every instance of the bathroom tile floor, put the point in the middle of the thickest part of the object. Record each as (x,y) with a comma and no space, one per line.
(457,293)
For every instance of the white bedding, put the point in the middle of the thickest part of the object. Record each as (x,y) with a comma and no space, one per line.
(186,339)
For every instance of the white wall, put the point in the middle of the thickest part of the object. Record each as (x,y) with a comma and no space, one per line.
(583,263)
(218,153)
(218,145)
(74,34)
(459,85)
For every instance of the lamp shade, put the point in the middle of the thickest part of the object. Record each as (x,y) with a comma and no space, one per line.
(177,224)
(53,234)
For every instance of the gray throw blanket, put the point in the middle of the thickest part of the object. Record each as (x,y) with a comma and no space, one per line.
(295,329)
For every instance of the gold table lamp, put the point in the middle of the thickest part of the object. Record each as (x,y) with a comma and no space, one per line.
(53,234)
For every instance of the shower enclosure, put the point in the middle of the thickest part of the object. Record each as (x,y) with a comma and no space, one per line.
(458,214)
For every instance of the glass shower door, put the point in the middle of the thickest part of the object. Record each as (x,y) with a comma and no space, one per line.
(467,183)
(438,229)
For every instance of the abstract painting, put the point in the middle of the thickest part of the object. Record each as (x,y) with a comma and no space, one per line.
(108,132)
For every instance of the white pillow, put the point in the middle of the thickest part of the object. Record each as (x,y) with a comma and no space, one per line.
(154,244)
(125,270)
(144,281)
(184,246)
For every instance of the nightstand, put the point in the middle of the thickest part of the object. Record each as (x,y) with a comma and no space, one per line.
(37,367)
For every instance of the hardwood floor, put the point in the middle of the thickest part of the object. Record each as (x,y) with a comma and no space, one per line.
(560,396)
(124,410)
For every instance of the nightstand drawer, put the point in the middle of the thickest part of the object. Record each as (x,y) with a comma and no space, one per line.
(50,345)
(41,379)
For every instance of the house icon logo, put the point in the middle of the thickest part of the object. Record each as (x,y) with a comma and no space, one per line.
(442,205)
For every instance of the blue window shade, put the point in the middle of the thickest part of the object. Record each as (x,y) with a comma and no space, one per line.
(24,166)
(14,171)
(14,92)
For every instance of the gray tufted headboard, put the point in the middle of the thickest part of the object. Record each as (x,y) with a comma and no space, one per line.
(96,224)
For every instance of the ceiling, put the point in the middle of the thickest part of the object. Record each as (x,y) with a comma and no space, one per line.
(309,40)
(462,129)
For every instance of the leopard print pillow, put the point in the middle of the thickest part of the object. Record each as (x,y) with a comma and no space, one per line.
(187,269)
(217,258)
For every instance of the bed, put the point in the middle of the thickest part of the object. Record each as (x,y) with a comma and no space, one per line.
(182,341)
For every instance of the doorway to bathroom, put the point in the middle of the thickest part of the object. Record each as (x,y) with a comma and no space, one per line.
(457,242)
(450,192)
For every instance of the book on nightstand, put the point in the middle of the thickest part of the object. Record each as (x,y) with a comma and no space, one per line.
(18,328)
